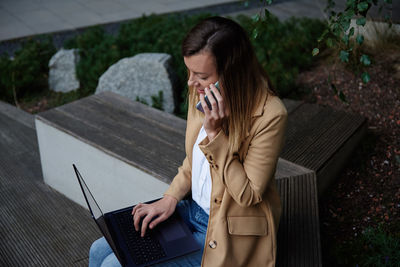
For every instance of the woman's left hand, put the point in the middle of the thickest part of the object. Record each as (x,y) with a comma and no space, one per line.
(214,117)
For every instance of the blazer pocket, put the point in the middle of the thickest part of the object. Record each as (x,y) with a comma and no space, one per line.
(248,226)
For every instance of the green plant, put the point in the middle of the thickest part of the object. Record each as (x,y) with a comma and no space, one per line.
(340,31)
(58,99)
(141,100)
(374,247)
(97,53)
(25,75)
(283,47)
(158,100)
(341,35)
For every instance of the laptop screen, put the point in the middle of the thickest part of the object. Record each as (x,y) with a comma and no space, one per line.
(96,212)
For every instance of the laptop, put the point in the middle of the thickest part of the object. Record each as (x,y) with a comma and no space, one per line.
(171,238)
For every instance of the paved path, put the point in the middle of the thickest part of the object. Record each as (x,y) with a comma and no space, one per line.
(21,18)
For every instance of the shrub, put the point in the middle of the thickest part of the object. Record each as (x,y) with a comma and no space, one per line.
(26,74)
(284,48)
(97,52)
(374,247)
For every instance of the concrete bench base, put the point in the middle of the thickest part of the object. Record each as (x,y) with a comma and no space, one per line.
(114,183)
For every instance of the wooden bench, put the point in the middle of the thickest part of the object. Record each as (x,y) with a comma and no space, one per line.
(321,139)
(38,226)
(139,141)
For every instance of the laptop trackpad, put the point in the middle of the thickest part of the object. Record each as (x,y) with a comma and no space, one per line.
(172,230)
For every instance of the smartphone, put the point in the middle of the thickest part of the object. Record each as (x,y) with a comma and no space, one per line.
(199,106)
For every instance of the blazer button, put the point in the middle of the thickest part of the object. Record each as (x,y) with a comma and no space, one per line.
(212,244)
(217,200)
(210,158)
(216,166)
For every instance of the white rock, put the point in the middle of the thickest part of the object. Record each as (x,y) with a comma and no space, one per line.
(62,71)
(374,31)
(141,76)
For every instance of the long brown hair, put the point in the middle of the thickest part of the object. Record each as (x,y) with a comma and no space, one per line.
(240,74)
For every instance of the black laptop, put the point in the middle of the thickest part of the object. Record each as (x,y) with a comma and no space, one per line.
(171,238)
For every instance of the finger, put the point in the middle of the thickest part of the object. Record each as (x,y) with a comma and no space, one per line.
(220,99)
(204,105)
(212,100)
(136,219)
(216,92)
(136,207)
(145,222)
(155,222)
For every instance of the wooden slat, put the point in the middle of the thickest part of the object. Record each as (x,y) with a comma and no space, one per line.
(38,226)
(298,234)
(316,133)
(13,135)
(116,121)
(17,114)
(161,118)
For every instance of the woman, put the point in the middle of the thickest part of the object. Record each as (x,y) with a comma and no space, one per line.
(231,153)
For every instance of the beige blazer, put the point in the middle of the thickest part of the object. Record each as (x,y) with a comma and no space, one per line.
(245,206)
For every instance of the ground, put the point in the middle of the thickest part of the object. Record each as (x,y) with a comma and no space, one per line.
(367,193)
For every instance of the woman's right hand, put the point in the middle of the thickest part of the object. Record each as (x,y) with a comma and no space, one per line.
(161,209)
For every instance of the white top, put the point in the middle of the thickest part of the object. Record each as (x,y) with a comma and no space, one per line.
(201,177)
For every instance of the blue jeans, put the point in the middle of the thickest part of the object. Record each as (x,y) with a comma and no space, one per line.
(101,254)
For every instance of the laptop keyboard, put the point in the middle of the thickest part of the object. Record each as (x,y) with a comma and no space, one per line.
(142,249)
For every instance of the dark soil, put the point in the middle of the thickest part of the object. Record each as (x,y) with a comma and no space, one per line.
(367,193)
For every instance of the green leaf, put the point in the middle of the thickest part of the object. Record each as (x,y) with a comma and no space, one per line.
(364,59)
(344,56)
(350,3)
(267,13)
(336,30)
(351,32)
(315,52)
(345,39)
(349,14)
(362,6)
(388,1)
(360,39)
(361,21)
(365,77)
(345,24)
(329,42)
(255,33)
(256,18)
(323,35)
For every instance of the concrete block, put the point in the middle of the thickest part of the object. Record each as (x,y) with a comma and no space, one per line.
(114,183)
